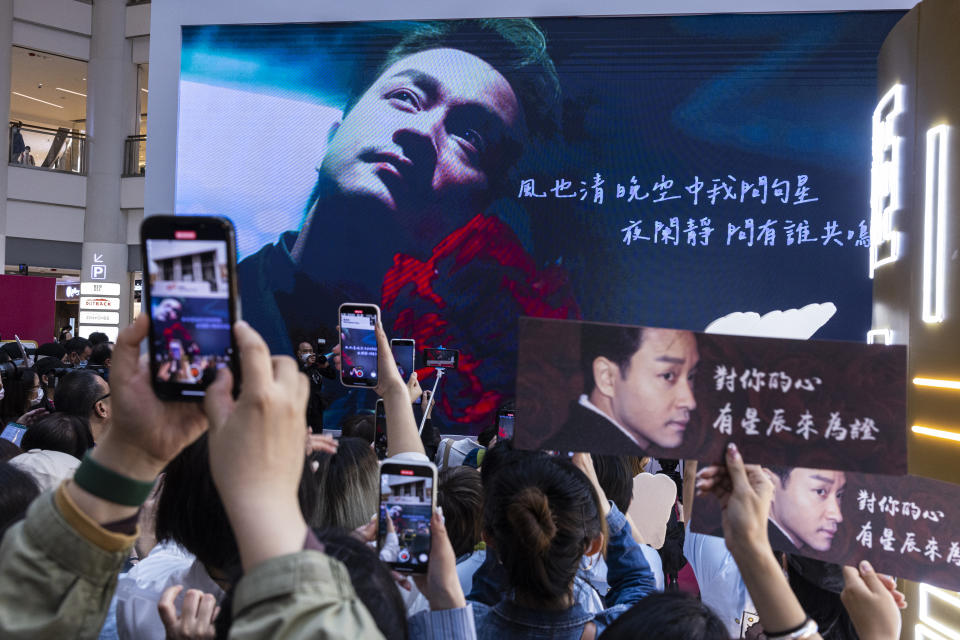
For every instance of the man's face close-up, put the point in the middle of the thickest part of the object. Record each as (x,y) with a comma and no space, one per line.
(807,506)
(655,398)
(421,142)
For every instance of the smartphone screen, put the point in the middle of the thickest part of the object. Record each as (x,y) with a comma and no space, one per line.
(358,344)
(505,425)
(441,358)
(403,352)
(406,505)
(190,300)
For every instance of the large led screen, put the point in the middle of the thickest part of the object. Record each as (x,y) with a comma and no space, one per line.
(664,171)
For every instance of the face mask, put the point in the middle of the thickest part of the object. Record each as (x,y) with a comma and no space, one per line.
(81,364)
(305,356)
(38,397)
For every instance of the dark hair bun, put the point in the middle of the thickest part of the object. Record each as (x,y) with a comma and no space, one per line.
(531,519)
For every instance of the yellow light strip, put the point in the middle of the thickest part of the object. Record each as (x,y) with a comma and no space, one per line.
(936,433)
(940,384)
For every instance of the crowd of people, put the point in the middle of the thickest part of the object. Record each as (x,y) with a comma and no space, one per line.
(123,516)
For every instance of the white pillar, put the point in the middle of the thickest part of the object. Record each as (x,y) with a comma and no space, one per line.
(109,93)
(6,42)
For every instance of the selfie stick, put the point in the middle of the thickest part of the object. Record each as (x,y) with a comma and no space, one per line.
(433,398)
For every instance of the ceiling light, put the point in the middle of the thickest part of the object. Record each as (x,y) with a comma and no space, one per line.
(76,93)
(58,106)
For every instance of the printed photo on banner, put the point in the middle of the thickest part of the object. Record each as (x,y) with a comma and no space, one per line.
(461,174)
(620,389)
(906,526)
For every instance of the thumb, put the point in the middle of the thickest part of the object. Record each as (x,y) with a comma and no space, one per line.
(735,467)
(852,580)
(218,402)
(871,578)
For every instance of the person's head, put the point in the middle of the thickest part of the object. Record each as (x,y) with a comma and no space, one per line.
(371,580)
(428,140)
(807,504)
(100,356)
(87,395)
(615,478)
(359,425)
(66,334)
(460,496)
(304,348)
(540,518)
(485,436)
(52,349)
(190,512)
(59,432)
(17,490)
(641,378)
(78,351)
(168,310)
(21,390)
(667,616)
(349,484)
(98,337)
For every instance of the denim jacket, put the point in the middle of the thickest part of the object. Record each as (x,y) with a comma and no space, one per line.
(629,577)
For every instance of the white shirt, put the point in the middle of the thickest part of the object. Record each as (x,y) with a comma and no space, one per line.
(139,590)
(585,403)
(721,585)
(593,569)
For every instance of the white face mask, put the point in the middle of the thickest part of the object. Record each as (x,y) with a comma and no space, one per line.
(38,397)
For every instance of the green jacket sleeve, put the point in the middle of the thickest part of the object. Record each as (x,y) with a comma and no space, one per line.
(54,583)
(300,595)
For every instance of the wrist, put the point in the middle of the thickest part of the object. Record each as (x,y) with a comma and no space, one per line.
(127,459)
(444,601)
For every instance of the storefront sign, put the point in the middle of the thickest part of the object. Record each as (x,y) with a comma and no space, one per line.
(100,288)
(110,304)
(99,317)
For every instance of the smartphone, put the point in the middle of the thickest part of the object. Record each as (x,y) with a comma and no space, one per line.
(504,425)
(403,353)
(380,431)
(191,295)
(358,344)
(407,499)
(380,419)
(441,358)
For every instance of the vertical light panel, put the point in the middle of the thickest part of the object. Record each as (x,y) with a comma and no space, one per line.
(948,602)
(885,179)
(936,187)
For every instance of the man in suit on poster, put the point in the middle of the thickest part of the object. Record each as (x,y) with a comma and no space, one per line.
(637,390)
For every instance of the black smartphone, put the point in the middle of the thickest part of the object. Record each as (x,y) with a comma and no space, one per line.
(441,358)
(191,295)
(407,501)
(403,353)
(380,420)
(380,430)
(505,425)
(358,344)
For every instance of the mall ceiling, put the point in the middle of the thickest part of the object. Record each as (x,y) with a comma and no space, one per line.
(47,88)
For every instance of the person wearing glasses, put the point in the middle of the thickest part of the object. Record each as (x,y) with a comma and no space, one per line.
(85,394)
